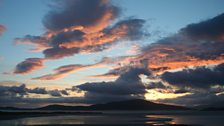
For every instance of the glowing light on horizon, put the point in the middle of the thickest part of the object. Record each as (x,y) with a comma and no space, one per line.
(156,95)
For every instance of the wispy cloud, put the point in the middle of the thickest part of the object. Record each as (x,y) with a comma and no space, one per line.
(66,70)
(39,43)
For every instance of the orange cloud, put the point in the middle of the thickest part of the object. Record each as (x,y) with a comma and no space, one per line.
(29,65)
(197,44)
(123,30)
(74,27)
(163,57)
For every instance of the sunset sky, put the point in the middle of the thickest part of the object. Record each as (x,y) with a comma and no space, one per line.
(94,51)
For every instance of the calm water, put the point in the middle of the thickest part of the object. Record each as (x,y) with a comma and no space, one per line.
(146,118)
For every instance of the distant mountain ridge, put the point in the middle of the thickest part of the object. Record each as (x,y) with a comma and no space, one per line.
(136,104)
(215,106)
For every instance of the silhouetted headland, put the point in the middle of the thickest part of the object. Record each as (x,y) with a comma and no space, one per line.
(136,104)
(129,105)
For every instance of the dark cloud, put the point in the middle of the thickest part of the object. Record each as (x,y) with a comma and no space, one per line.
(204,85)
(61,52)
(13,90)
(127,84)
(181,90)
(55,93)
(200,77)
(96,48)
(133,27)
(208,51)
(82,13)
(64,92)
(38,90)
(22,91)
(2,29)
(29,65)
(40,43)
(57,52)
(67,37)
(195,99)
(156,85)
(212,29)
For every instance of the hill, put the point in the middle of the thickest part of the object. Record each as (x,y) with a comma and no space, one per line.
(136,104)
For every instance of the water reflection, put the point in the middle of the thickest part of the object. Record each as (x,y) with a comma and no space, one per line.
(202,120)
(158,120)
(128,118)
(77,119)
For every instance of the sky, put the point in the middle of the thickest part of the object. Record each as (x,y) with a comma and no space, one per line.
(86,52)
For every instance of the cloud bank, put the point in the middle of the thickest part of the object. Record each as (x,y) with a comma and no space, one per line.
(197,44)
(200,77)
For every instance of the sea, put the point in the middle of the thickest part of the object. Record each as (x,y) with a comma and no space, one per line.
(122,118)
